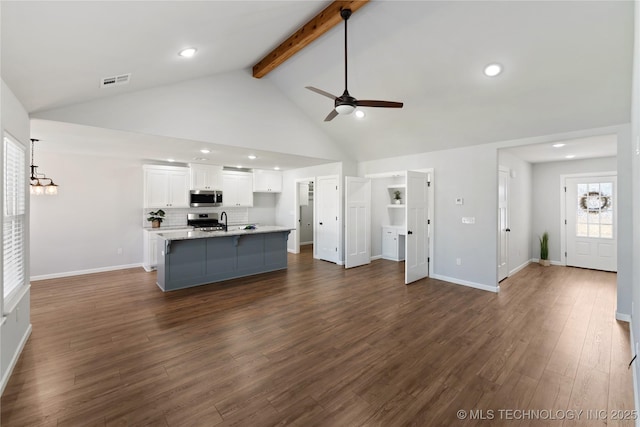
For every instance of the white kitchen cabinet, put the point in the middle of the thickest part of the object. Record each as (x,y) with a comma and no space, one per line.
(392,243)
(237,189)
(266,181)
(150,250)
(166,187)
(206,177)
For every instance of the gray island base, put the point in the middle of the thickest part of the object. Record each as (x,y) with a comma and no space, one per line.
(193,258)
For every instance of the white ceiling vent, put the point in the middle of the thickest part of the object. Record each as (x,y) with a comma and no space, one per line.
(122,79)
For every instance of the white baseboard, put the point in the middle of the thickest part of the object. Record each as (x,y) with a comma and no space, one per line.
(291,251)
(520,267)
(306,243)
(495,289)
(14,359)
(375,257)
(623,317)
(552,262)
(81,272)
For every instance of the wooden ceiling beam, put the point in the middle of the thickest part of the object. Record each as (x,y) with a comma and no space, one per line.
(317,26)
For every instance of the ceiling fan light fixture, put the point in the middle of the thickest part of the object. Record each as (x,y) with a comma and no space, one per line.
(345,109)
(492,70)
(360,114)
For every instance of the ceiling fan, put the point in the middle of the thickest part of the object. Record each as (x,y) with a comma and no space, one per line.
(345,104)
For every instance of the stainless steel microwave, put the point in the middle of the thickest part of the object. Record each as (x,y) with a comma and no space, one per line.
(205,198)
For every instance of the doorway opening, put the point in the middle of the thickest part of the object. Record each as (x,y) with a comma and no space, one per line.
(304,216)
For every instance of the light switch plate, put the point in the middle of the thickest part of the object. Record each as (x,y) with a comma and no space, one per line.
(468,219)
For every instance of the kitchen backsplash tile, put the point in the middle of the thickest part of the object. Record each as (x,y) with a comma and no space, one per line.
(178,217)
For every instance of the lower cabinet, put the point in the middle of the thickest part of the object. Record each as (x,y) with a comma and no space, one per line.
(392,243)
(150,250)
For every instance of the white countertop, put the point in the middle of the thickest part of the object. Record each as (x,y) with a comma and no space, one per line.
(162,229)
(232,231)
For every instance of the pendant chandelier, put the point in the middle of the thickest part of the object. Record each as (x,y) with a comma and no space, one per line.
(40,184)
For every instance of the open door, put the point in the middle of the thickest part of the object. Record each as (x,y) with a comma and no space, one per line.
(503,226)
(416,252)
(358,221)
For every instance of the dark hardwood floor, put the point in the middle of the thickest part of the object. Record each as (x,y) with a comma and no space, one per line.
(318,345)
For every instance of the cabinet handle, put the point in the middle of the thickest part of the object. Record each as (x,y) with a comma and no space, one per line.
(320,223)
(409,232)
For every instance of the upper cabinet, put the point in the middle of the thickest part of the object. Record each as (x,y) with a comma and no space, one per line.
(166,187)
(266,181)
(237,189)
(206,177)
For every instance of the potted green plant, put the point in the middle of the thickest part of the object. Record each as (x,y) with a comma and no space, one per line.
(544,249)
(397,196)
(156,218)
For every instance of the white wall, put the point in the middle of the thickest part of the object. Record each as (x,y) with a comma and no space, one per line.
(625,223)
(520,218)
(547,198)
(16,325)
(635,142)
(96,212)
(215,109)
(470,173)
(264,208)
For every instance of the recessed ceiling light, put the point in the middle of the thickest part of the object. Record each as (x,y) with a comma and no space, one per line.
(558,145)
(252,156)
(492,70)
(277,168)
(569,156)
(205,151)
(360,114)
(239,166)
(171,160)
(188,52)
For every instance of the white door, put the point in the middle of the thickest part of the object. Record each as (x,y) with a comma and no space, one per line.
(416,253)
(503,226)
(357,221)
(591,235)
(328,203)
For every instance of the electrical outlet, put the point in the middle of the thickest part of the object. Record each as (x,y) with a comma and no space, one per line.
(458,261)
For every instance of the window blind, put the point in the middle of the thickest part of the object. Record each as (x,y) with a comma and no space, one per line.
(14,217)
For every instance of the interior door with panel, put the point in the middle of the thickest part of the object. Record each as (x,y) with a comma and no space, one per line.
(357,221)
(591,229)
(416,242)
(327,210)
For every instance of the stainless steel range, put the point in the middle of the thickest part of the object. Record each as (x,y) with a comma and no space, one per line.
(205,221)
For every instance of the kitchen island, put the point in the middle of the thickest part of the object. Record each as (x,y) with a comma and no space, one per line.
(193,258)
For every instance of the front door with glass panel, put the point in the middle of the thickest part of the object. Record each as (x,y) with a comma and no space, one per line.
(591,235)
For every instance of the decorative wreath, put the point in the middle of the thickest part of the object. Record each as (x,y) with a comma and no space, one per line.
(589,202)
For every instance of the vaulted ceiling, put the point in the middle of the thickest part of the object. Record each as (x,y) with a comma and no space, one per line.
(567,65)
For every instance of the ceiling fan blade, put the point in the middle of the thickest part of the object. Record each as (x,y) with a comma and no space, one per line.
(321,92)
(383,104)
(331,115)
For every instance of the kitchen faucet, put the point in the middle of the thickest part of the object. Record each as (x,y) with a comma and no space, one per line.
(224,214)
